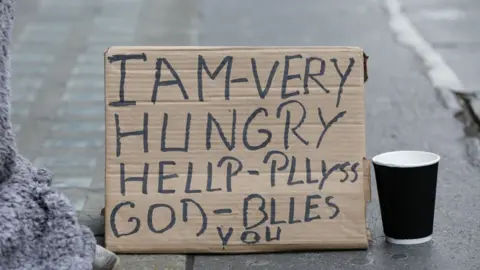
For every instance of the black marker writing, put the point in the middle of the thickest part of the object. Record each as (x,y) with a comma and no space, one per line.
(308,172)
(273,213)
(222,211)
(327,172)
(210,178)
(329,202)
(291,176)
(239,80)
(261,208)
(150,218)
(273,167)
(202,65)
(230,171)
(343,76)
(261,131)
(268,234)
(143,178)
(245,235)
(342,169)
(309,206)
(162,177)
(291,212)
(225,237)
(287,122)
(188,185)
(158,82)
(123,71)
(262,93)
(355,173)
(287,77)
(164,148)
(210,119)
(326,126)
(203,227)
(143,132)
(113,216)
(312,76)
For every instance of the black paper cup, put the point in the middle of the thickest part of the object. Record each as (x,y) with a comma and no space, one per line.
(407,185)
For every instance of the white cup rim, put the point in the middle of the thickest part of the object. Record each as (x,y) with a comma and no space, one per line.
(406,159)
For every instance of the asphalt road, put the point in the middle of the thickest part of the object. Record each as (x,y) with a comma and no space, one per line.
(58,100)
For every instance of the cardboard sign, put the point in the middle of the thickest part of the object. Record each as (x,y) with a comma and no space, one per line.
(234,149)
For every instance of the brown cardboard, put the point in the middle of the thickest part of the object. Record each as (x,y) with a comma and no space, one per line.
(366,178)
(210,218)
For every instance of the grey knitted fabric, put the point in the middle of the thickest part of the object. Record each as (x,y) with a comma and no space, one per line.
(38,225)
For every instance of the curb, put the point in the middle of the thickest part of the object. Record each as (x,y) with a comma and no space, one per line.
(470,103)
(439,73)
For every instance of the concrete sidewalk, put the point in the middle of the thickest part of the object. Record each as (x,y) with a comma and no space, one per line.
(58,94)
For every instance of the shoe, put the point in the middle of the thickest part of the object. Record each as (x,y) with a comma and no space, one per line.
(105,259)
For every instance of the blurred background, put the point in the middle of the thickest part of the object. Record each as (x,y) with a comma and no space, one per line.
(58,108)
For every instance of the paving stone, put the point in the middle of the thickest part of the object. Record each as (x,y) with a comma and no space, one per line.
(73,142)
(44,38)
(91,58)
(76,95)
(112,29)
(99,49)
(20,70)
(103,38)
(85,83)
(77,203)
(65,162)
(81,111)
(119,4)
(32,57)
(157,261)
(117,9)
(46,27)
(79,127)
(109,21)
(24,95)
(114,21)
(73,147)
(60,10)
(76,171)
(75,182)
(16,128)
(110,43)
(20,110)
(26,84)
(60,3)
(38,47)
(45,32)
(88,69)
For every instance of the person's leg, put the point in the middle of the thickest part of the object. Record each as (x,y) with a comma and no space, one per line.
(105,259)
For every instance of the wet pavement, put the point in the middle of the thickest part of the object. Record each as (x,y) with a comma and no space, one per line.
(403,112)
(58,101)
(451,28)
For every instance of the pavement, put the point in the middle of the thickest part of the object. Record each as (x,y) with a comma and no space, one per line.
(58,110)
(58,95)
